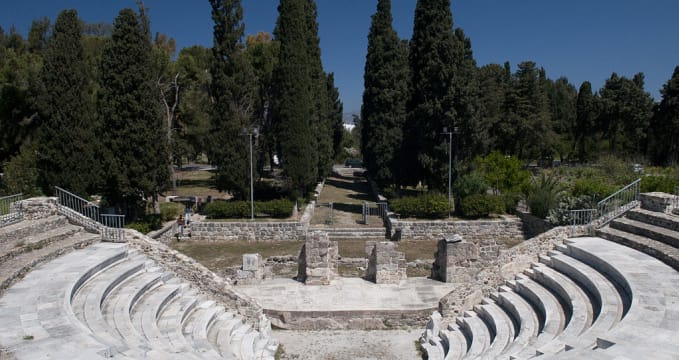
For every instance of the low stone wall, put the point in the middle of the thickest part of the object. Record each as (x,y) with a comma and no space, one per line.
(348,320)
(507,229)
(251,231)
(533,225)
(195,273)
(166,234)
(657,201)
(38,208)
(488,274)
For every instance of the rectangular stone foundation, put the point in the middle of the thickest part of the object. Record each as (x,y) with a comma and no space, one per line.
(318,260)
(385,264)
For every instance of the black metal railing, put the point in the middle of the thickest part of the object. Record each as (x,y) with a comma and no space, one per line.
(88,214)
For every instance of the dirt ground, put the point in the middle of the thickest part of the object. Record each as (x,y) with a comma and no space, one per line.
(349,345)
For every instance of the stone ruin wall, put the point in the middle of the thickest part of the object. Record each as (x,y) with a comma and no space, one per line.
(318,260)
(478,274)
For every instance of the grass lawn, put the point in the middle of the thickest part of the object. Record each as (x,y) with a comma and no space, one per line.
(218,255)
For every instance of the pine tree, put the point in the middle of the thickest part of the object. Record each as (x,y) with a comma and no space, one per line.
(586,114)
(443,93)
(129,108)
(67,134)
(294,104)
(664,130)
(234,92)
(384,98)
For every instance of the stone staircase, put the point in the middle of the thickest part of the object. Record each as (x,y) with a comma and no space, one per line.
(363,233)
(26,244)
(590,298)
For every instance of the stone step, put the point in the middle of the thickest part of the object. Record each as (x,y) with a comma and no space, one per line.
(148,309)
(575,303)
(476,332)
(606,300)
(28,228)
(118,305)
(196,327)
(550,314)
(18,246)
(171,318)
(237,335)
(667,236)
(657,249)
(667,221)
(13,268)
(454,342)
(88,302)
(226,324)
(500,323)
(526,324)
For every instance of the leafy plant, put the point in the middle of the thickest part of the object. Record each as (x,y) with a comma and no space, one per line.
(544,193)
(170,211)
(660,183)
(561,215)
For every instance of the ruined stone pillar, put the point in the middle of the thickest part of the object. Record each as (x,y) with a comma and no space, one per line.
(318,260)
(385,264)
(454,260)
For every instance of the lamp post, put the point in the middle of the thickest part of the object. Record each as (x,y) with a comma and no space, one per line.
(251,132)
(450,161)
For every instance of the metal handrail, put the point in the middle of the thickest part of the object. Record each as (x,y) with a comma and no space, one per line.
(618,203)
(10,209)
(88,214)
(582,217)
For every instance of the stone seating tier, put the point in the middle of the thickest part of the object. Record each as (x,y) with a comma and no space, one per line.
(103,302)
(590,299)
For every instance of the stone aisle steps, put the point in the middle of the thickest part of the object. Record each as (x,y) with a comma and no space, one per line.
(196,327)
(28,243)
(501,324)
(13,268)
(476,332)
(28,228)
(525,319)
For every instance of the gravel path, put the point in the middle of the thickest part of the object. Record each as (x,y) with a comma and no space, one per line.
(349,345)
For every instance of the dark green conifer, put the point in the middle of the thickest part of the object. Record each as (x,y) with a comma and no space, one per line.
(585,116)
(294,104)
(129,108)
(384,98)
(664,143)
(234,94)
(67,139)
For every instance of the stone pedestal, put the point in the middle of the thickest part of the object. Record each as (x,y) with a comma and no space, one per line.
(318,260)
(385,264)
(454,260)
(253,270)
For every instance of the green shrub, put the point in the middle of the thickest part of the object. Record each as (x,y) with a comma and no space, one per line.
(227,210)
(170,211)
(597,188)
(280,209)
(511,200)
(561,215)
(469,184)
(142,227)
(427,206)
(481,205)
(661,183)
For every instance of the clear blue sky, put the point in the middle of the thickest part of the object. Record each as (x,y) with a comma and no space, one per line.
(579,39)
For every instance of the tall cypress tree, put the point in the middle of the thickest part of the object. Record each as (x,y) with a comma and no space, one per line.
(443,93)
(320,116)
(294,104)
(385,94)
(335,115)
(129,108)
(234,92)
(664,130)
(585,116)
(67,134)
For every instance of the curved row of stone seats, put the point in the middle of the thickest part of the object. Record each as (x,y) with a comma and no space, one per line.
(654,233)
(25,244)
(589,297)
(111,302)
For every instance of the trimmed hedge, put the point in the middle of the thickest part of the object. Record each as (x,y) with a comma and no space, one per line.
(659,183)
(481,205)
(170,211)
(279,209)
(427,206)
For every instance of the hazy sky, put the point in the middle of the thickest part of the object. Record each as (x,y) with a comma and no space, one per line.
(579,39)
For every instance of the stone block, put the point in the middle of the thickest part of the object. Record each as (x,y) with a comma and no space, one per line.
(252,262)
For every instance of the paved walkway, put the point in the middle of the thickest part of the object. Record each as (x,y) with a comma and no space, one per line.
(347,294)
